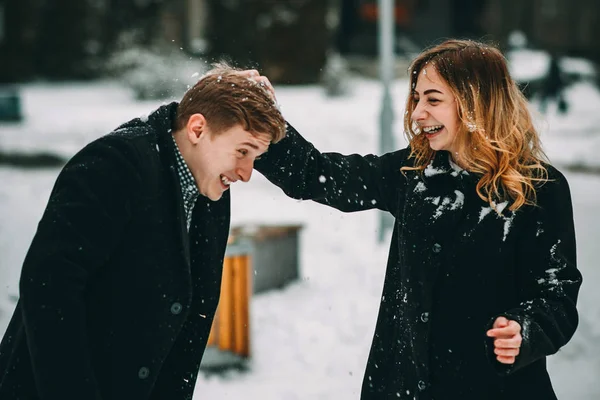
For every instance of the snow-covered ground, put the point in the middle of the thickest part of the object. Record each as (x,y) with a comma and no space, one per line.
(310,340)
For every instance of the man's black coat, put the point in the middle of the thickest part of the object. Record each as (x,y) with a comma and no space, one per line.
(454,266)
(116,299)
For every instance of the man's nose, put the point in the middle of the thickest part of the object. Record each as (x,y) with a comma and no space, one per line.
(244,171)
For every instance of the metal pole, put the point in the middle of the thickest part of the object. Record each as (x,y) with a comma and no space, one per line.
(386,65)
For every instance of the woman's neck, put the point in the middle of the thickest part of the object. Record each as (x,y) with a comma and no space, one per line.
(457,159)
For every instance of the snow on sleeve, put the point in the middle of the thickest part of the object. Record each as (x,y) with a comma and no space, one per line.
(557,265)
(144,117)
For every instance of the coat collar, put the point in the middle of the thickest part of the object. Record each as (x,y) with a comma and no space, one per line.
(443,164)
(163,118)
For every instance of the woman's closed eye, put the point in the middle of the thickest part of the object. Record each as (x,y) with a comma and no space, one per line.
(432,101)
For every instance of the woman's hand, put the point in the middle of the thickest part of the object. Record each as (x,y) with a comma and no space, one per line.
(507,342)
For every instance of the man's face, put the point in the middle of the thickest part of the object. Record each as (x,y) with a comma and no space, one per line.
(435,110)
(219,160)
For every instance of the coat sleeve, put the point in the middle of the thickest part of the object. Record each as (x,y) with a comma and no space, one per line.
(83,223)
(548,280)
(345,182)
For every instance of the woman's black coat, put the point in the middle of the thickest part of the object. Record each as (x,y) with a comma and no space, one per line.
(454,266)
(116,300)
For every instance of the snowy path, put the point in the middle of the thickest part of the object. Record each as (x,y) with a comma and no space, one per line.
(311,340)
(576,368)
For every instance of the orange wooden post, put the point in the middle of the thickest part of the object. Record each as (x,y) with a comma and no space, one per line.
(230,329)
(229,341)
(241,300)
(225,310)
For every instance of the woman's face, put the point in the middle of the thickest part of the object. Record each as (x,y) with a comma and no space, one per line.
(435,110)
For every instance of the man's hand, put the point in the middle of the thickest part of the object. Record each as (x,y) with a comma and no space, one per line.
(261,80)
(507,342)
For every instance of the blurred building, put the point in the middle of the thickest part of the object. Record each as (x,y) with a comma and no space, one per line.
(563,26)
(419,23)
(559,26)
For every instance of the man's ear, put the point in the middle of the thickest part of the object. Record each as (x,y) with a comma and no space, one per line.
(196,127)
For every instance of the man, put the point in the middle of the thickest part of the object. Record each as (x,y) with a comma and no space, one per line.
(120,285)
(553,87)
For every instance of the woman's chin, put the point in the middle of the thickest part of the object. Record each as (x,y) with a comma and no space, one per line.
(437,142)
(436,146)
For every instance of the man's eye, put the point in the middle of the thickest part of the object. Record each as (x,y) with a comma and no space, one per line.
(243,152)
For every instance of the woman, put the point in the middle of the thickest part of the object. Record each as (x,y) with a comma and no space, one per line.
(481,282)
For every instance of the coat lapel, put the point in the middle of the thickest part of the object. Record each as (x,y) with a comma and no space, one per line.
(181,219)
(163,119)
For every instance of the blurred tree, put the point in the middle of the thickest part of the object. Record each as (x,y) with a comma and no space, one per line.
(71,39)
(131,23)
(64,44)
(467,18)
(75,36)
(17,39)
(286,39)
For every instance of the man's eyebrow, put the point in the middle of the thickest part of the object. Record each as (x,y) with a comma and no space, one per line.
(255,147)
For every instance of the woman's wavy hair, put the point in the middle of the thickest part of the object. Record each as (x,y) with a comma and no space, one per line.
(497,139)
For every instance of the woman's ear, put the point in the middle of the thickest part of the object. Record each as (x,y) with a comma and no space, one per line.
(195,127)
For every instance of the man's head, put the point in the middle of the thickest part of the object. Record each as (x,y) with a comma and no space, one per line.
(223,124)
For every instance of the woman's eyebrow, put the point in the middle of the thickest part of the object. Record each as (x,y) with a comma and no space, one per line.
(428,91)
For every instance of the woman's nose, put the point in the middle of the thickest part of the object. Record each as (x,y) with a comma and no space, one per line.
(418,113)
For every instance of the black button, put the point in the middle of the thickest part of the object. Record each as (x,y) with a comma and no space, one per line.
(422,385)
(425,317)
(437,248)
(176,308)
(143,373)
